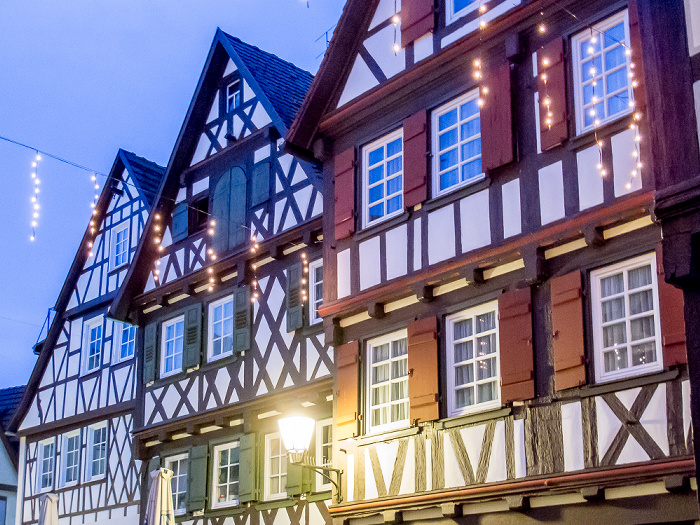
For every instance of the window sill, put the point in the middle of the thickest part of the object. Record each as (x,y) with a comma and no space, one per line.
(469,419)
(388,435)
(116,269)
(217,362)
(220,357)
(86,375)
(118,361)
(384,225)
(588,138)
(457,194)
(281,503)
(616,386)
(222,510)
(321,495)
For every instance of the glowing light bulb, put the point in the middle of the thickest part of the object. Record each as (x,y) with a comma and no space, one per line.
(591,50)
(543,76)
(33,164)
(545,62)
(93,178)
(395,19)
(482,8)
(600,143)
(603,172)
(397,47)
(38,157)
(542,28)
(34,224)
(33,175)
(212,223)
(157,216)
(211,231)
(628,52)
(480,102)
(158,263)
(31,238)
(211,289)
(485,90)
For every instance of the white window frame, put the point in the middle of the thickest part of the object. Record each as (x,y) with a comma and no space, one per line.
(88,326)
(391,425)
(90,455)
(215,476)
(323,484)
(163,342)
(229,96)
(471,313)
(268,467)
(118,330)
(382,142)
(315,301)
(40,471)
(210,328)
(435,118)
(597,31)
(596,309)
(171,462)
(114,255)
(453,15)
(64,458)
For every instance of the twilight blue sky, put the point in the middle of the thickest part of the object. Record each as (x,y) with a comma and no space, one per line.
(81,79)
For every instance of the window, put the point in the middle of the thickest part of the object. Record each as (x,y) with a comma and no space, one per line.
(97,451)
(178,464)
(120,245)
(388,382)
(457,144)
(324,451)
(171,347)
(603,88)
(626,323)
(459,8)
(472,359)
(275,467)
(315,290)
(125,341)
(233,95)
(221,328)
(46,458)
(71,457)
(92,344)
(226,472)
(200,214)
(382,174)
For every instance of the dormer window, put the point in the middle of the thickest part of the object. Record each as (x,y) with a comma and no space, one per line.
(233,95)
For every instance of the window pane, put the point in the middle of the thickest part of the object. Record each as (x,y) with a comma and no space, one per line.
(448,159)
(486,345)
(376,212)
(642,328)
(613,309)
(464,397)
(380,353)
(464,351)
(591,68)
(639,277)
(448,119)
(485,322)
(641,302)
(399,348)
(399,390)
(376,155)
(469,109)
(616,80)
(599,112)
(394,204)
(615,57)
(615,359)
(618,103)
(589,91)
(615,35)
(462,329)
(448,179)
(486,392)
(611,285)
(643,354)
(588,47)
(464,374)
(376,174)
(394,185)
(394,166)
(471,170)
(471,149)
(380,374)
(448,139)
(486,368)
(394,147)
(471,128)
(399,369)
(614,335)
(376,193)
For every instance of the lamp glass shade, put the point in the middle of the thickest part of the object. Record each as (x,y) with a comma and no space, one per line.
(296,432)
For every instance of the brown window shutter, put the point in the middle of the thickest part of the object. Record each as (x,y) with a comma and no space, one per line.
(423,370)
(554,133)
(636,45)
(345,193)
(417,19)
(515,345)
(672,318)
(567,331)
(347,360)
(415,144)
(496,118)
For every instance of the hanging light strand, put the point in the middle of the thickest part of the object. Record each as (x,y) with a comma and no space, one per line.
(395,20)
(35,195)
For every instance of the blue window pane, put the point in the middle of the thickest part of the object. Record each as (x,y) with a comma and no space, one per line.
(471,128)
(618,103)
(615,57)
(376,193)
(469,109)
(471,149)
(376,156)
(616,80)
(599,113)
(461,4)
(217,313)
(448,139)
(394,166)
(448,119)
(596,64)
(394,185)
(448,159)
(178,361)
(471,169)
(376,174)
(394,147)
(449,179)
(228,326)
(393,204)
(615,35)
(228,309)
(590,90)
(376,212)
(179,328)
(588,46)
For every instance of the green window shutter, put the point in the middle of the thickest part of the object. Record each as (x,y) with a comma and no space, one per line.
(197,478)
(247,486)
(298,480)
(153,464)
(220,211)
(150,341)
(180,221)
(295,308)
(261,183)
(241,328)
(238,233)
(193,337)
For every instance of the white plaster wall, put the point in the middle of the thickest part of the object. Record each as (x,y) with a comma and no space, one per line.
(397,252)
(370,263)
(590,182)
(476,221)
(343,273)
(441,234)
(511,208)
(624,163)
(551,184)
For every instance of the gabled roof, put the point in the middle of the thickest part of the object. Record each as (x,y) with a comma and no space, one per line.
(147,174)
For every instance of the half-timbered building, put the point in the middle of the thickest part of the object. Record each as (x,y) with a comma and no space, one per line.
(77,414)
(507,348)
(225,291)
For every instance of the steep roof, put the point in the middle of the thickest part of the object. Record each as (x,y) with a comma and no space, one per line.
(9,401)
(148,174)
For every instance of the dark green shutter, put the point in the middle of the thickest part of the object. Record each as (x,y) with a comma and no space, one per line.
(220,211)
(247,486)
(241,328)
(149,352)
(298,480)
(180,221)
(193,337)
(238,233)
(261,183)
(295,308)
(153,464)
(197,478)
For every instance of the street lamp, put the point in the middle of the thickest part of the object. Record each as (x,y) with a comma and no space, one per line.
(296,434)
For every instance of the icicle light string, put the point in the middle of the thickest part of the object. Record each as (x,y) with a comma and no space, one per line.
(35,195)
(395,20)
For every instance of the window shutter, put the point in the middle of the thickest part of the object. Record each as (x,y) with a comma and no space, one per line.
(423,370)
(496,118)
(150,341)
(298,480)
(193,337)
(555,133)
(515,342)
(417,19)
(153,464)
(261,183)
(346,413)
(180,216)
(415,166)
(220,211)
(241,328)
(672,318)
(247,472)
(567,331)
(237,233)
(295,308)
(197,478)
(345,193)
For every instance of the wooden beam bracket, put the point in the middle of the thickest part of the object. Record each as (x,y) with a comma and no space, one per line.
(593,493)
(518,503)
(375,310)
(593,235)
(424,293)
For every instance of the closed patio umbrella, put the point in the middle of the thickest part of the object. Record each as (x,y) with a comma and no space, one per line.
(159,509)
(48,509)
